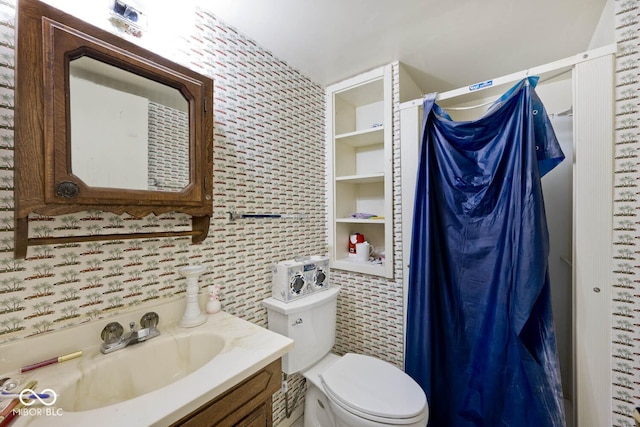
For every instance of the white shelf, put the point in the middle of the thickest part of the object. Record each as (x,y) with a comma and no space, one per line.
(360,221)
(362,138)
(361,179)
(358,266)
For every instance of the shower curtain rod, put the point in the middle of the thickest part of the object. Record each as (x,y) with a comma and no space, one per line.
(514,77)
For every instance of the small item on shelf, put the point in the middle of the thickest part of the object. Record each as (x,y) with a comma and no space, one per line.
(360,215)
(363,251)
(376,125)
(353,240)
(213,303)
(377,217)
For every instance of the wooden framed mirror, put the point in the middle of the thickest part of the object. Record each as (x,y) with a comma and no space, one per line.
(103,124)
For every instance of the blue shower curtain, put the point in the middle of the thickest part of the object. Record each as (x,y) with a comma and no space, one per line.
(480,337)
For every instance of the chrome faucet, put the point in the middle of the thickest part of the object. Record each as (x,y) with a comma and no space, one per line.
(113,337)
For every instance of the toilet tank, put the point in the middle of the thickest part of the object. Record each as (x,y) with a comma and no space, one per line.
(310,322)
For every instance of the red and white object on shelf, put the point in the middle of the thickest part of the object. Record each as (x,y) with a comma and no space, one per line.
(354,239)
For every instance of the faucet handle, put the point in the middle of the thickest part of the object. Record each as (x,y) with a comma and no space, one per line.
(112,332)
(150,320)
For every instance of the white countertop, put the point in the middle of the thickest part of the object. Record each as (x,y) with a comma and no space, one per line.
(247,349)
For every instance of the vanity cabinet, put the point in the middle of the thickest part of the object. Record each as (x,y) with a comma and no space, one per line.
(360,167)
(248,404)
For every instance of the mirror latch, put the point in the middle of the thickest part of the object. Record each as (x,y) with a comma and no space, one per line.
(67,189)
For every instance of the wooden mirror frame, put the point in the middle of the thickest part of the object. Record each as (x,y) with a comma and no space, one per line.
(47,39)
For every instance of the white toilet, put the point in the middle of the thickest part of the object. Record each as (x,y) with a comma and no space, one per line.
(349,391)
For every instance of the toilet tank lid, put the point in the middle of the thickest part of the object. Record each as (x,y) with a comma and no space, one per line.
(302,304)
(374,387)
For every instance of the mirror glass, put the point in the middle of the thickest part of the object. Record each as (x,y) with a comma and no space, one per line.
(127,131)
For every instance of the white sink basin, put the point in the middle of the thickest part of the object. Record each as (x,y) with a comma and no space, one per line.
(154,383)
(138,369)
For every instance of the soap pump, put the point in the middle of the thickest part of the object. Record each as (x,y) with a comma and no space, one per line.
(192,314)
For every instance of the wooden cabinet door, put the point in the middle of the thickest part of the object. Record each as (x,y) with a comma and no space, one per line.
(260,417)
(248,404)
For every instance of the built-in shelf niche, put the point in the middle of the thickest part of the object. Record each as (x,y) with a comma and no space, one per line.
(359,142)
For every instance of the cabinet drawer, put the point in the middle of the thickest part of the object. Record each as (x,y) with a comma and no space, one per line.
(246,404)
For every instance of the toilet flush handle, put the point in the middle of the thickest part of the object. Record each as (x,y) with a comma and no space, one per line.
(297,322)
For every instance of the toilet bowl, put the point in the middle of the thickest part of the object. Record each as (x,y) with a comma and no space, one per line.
(349,391)
(361,391)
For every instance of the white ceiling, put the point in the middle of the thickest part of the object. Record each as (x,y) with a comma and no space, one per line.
(443,44)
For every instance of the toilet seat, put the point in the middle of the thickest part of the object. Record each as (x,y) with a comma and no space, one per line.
(383,421)
(374,389)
